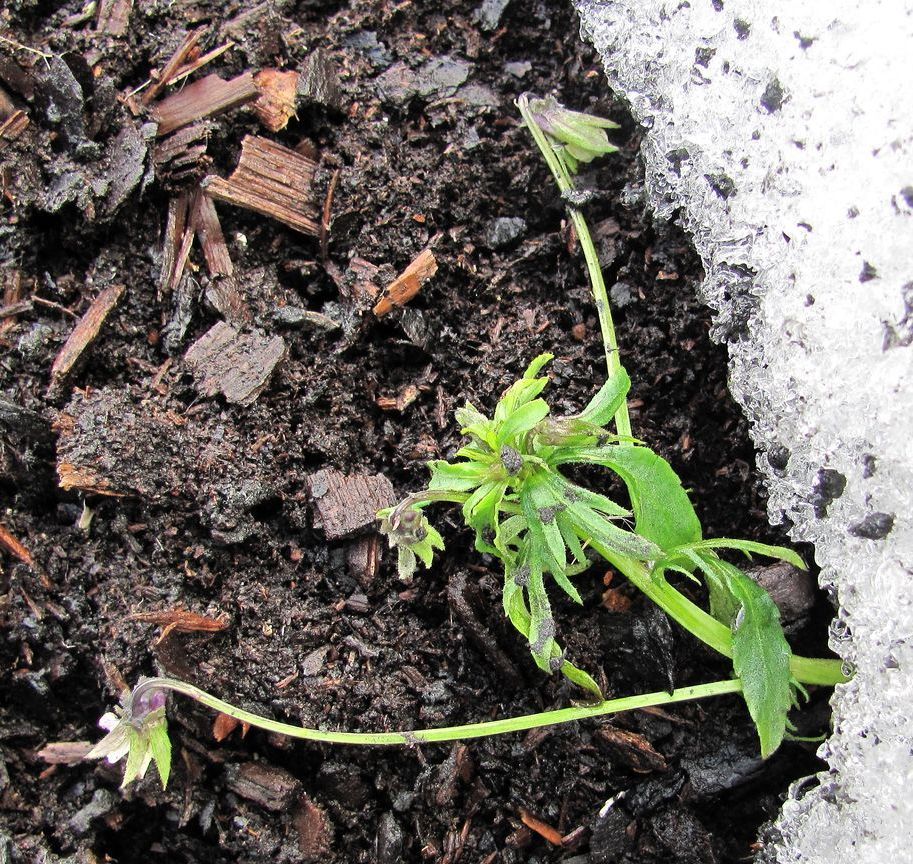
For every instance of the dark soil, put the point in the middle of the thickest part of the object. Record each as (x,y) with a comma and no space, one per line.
(216,515)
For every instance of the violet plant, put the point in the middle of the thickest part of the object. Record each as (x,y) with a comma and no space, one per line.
(510,483)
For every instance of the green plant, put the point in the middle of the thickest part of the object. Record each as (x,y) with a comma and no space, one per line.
(542,526)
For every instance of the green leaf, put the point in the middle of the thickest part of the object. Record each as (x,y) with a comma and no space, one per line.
(662,509)
(569,493)
(136,756)
(760,652)
(747,546)
(571,540)
(160,746)
(456,477)
(521,420)
(592,526)
(581,679)
(535,367)
(540,508)
(603,406)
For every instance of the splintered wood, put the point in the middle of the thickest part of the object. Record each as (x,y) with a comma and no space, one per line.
(278,100)
(236,364)
(271,180)
(84,333)
(408,283)
(346,504)
(207,97)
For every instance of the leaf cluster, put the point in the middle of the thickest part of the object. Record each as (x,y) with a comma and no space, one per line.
(540,524)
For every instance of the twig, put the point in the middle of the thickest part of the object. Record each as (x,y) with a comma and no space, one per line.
(327,210)
(43,54)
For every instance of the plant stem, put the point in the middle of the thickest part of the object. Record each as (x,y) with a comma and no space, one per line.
(600,295)
(447,733)
(715,634)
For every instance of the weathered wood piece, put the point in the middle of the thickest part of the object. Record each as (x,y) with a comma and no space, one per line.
(178,59)
(346,504)
(114,16)
(208,229)
(176,247)
(207,97)
(236,364)
(271,180)
(14,547)
(181,157)
(84,333)
(408,283)
(13,126)
(278,100)
(270,786)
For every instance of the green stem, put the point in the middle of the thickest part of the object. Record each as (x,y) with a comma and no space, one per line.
(447,733)
(600,295)
(715,634)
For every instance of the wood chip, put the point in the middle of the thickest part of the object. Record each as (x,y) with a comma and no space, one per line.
(631,749)
(180,158)
(114,16)
(271,180)
(401,401)
(363,559)
(543,829)
(173,257)
(408,283)
(64,752)
(14,547)
(161,81)
(205,98)
(224,295)
(205,223)
(278,100)
(13,126)
(271,787)
(13,294)
(236,364)
(346,504)
(224,725)
(315,831)
(84,333)
(182,621)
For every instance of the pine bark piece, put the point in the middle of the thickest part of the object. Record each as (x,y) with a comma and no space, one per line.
(271,180)
(224,295)
(84,333)
(236,364)
(114,16)
(346,504)
(408,283)
(205,98)
(278,100)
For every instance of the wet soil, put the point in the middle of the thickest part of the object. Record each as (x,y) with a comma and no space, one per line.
(214,514)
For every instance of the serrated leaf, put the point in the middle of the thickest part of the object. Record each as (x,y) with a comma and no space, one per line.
(160,747)
(603,406)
